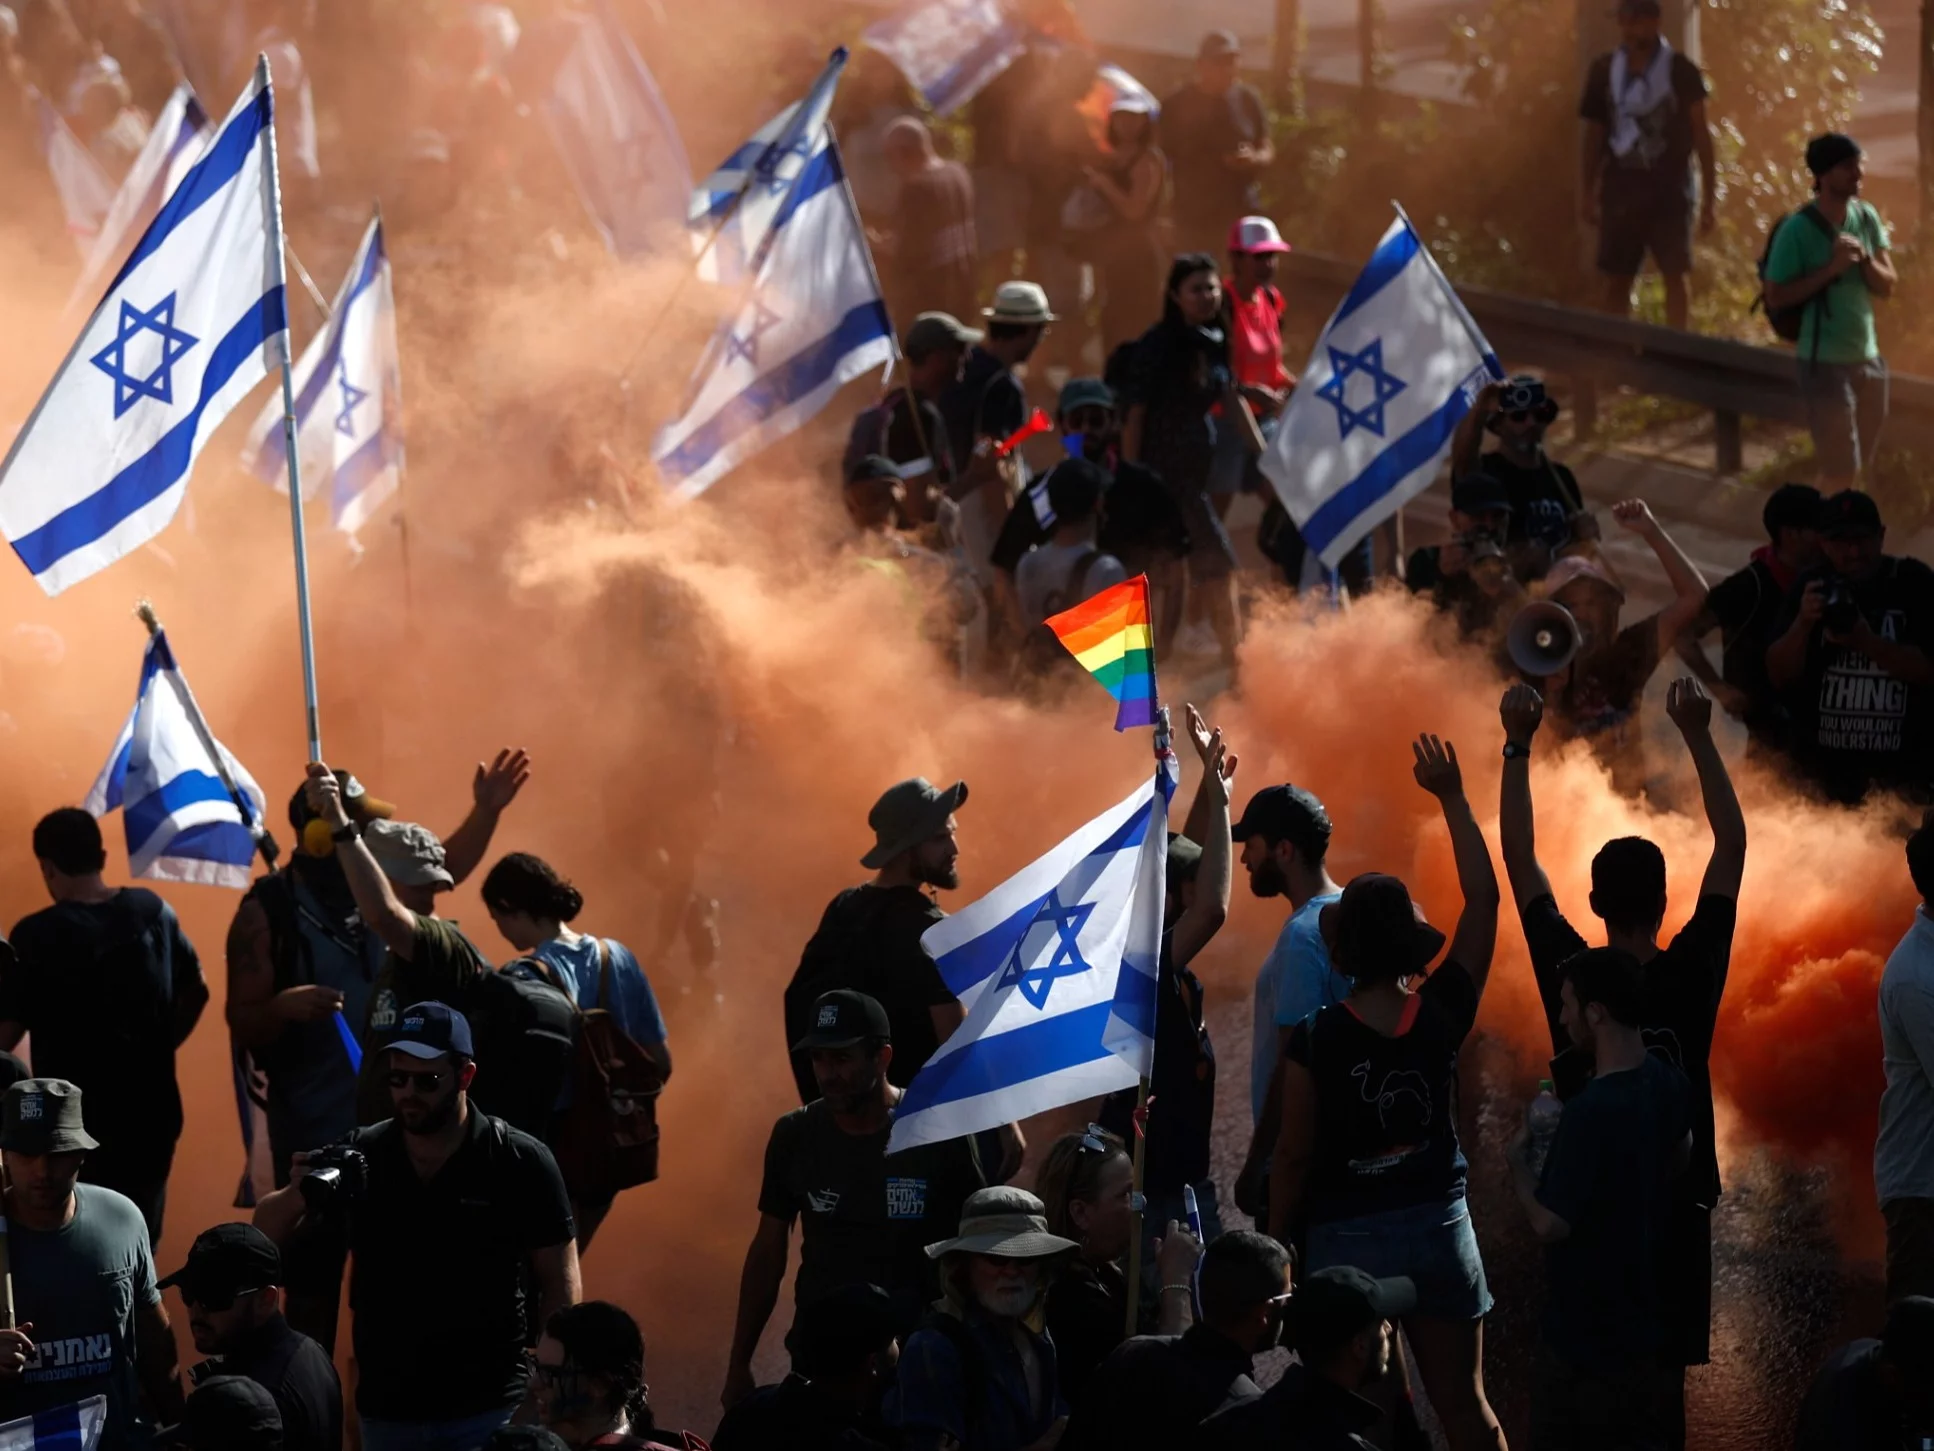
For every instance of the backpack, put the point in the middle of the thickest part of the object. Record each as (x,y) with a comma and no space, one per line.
(1042,654)
(1787,322)
(607,1140)
(867,436)
(833,959)
(525,1032)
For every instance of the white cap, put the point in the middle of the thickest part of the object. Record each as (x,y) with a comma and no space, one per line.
(1256,234)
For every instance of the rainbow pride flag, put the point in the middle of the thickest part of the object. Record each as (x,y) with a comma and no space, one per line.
(1109,635)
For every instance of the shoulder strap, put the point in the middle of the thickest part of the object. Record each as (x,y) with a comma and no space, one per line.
(604,976)
(1078,580)
(1813,214)
(549,976)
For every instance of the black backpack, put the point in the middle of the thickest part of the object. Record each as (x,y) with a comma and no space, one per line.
(1042,655)
(1787,322)
(526,1035)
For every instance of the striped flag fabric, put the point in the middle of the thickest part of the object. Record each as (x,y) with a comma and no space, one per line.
(75,1427)
(176,140)
(86,191)
(1109,636)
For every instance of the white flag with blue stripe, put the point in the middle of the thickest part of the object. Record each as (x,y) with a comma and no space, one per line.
(75,1427)
(179,135)
(348,396)
(1372,416)
(812,321)
(86,191)
(1056,969)
(735,210)
(187,328)
(950,49)
(183,824)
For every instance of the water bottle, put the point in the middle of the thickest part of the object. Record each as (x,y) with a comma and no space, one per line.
(1543,1119)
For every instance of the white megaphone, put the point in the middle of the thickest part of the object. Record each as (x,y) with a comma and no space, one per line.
(1543,638)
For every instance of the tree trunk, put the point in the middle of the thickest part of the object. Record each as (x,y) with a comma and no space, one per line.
(1366,44)
(1286,60)
(1924,118)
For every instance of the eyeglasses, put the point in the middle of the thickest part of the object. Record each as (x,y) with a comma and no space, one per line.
(422,1082)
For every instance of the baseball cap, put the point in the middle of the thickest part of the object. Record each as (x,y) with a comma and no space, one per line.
(430,1030)
(43,1116)
(1849,514)
(1333,1304)
(1218,43)
(1084,393)
(226,1261)
(932,331)
(1285,813)
(1574,567)
(834,1331)
(1823,153)
(1791,506)
(1255,234)
(409,854)
(230,1413)
(1479,493)
(842,1018)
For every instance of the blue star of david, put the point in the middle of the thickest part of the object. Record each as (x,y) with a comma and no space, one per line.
(770,164)
(1368,363)
(351,396)
(764,320)
(1036,983)
(113,359)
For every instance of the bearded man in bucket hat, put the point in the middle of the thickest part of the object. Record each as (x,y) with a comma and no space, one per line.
(88,1312)
(995,1273)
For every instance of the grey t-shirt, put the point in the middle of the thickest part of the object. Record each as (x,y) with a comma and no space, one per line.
(1904,1151)
(80,1287)
(1045,582)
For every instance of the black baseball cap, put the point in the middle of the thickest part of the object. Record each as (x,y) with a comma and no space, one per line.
(1849,514)
(835,1331)
(842,1018)
(1329,1306)
(430,1030)
(1479,493)
(1791,506)
(1823,153)
(1286,813)
(230,1413)
(226,1261)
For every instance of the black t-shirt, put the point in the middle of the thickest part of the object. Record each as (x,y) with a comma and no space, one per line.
(1177,373)
(460,1243)
(1611,1175)
(1386,1110)
(888,429)
(1854,724)
(1199,132)
(1087,1316)
(1543,498)
(793,1416)
(1600,697)
(1456,594)
(1683,986)
(869,941)
(867,1216)
(1849,1406)
(1183,1087)
(1140,520)
(1745,606)
(293,1369)
(1155,1390)
(1658,162)
(107,989)
(987,402)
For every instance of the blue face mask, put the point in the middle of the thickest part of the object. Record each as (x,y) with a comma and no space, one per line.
(1075,444)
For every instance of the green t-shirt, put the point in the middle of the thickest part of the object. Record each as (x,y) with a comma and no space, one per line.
(1843,314)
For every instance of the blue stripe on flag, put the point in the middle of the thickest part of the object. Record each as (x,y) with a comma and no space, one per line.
(58,1429)
(117,775)
(210,175)
(151,812)
(1007,1059)
(1391,257)
(161,467)
(1384,472)
(821,173)
(1134,1001)
(361,469)
(212,841)
(979,958)
(271,460)
(771,392)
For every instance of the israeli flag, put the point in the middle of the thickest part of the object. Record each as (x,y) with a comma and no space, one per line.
(735,211)
(617,138)
(1056,969)
(165,776)
(950,49)
(1397,367)
(180,133)
(812,321)
(86,191)
(348,400)
(193,320)
(65,1428)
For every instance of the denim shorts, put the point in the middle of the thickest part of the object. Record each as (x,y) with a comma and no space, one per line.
(1846,404)
(1431,1245)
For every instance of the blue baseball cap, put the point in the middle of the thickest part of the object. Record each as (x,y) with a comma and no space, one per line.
(430,1030)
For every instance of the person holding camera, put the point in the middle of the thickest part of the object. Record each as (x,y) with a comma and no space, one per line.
(448,1210)
(1547,510)
(1854,653)
(1469,578)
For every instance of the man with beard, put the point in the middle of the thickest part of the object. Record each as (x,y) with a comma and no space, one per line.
(1339,1326)
(448,1208)
(978,1375)
(865,1217)
(1285,837)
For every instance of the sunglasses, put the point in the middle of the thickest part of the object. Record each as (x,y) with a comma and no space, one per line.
(1087,418)
(214,1300)
(422,1082)
(1094,1141)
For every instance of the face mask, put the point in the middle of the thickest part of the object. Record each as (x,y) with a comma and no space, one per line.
(1075,445)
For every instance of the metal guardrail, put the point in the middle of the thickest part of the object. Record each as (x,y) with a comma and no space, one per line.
(1595,350)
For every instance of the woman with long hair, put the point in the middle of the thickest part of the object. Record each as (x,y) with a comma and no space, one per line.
(1087,1184)
(1127,251)
(1368,1154)
(533,906)
(589,1382)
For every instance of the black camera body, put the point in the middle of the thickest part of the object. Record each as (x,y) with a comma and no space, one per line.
(337,1180)
(1841,613)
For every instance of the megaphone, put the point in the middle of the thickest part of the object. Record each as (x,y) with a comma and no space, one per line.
(1543,638)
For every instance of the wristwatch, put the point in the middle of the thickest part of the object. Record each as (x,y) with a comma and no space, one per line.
(1513,751)
(348,831)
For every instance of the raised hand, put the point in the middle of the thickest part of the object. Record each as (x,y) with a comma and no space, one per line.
(1522,710)
(495,786)
(1436,769)
(1636,515)
(1689,707)
(324,794)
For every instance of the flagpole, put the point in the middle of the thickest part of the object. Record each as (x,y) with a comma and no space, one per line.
(1136,1212)
(264,842)
(279,272)
(1469,323)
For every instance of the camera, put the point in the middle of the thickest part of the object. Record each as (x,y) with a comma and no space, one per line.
(1841,613)
(337,1180)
